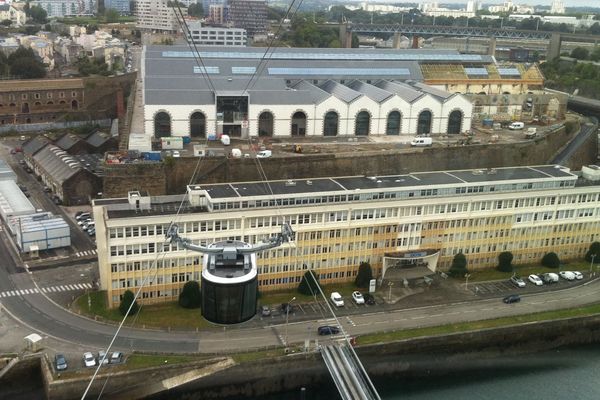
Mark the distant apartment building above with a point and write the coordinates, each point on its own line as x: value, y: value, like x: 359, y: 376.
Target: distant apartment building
x: 122, y: 6
x: 218, y: 13
x: 250, y: 15
x: 13, y: 13
x: 62, y: 8
x: 156, y: 15
x: 206, y: 4
x: 557, y: 7
x: 214, y: 36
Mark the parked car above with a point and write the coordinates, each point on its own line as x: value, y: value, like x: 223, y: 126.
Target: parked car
x: 337, y: 299
x: 517, y: 281
x: 358, y: 297
x: 60, y: 362
x: 28, y: 170
x: 103, y: 356
x: 535, y: 280
x: 568, y: 275
x: 82, y: 222
x: 91, y: 232
x: 369, y: 299
x: 287, y: 308
x: 176, y: 154
x: 265, y: 311
x: 549, y: 277
x: 328, y: 330
x: 116, y: 357
x: 578, y: 275
x: 513, y: 298
x: 89, y: 360
x: 84, y: 215
x: 78, y: 213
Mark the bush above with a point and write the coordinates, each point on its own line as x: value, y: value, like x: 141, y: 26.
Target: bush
x: 594, y: 249
x: 364, y: 276
x: 551, y: 260
x: 571, y: 127
x: 458, y: 269
x: 505, y: 261
x: 128, y: 298
x: 309, y: 285
x: 190, y: 296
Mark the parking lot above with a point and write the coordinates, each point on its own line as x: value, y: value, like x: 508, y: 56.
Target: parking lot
x: 498, y: 288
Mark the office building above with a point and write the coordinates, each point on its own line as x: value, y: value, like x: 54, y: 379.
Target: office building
x: 250, y: 15
x: 215, y: 36
x: 420, y: 218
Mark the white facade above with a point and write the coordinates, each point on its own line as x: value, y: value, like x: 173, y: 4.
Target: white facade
x: 11, y: 12
x: 557, y: 7
x: 156, y: 15
x: 62, y: 8
x: 215, y: 36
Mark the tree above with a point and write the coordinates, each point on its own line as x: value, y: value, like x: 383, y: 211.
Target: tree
x: 594, y: 249
x: 196, y: 10
x: 6, y: 22
x: 190, y: 295
x: 27, y: 68
x: 364, y: 276
x: 38, y: 14
x: 309, y: 285
x: 126, y: 301
x: 111, y: 15
x: 551, y: 260
x: 505, y: 261
x: 458, y: 269
x: 580, y: 53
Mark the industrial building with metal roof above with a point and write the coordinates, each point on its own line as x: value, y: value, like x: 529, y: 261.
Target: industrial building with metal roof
x: 300, y: 92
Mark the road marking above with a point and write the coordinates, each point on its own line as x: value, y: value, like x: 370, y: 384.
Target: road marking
x: 49, y: 289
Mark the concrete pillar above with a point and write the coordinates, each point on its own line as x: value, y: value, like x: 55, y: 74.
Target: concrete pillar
x: 343, y: 29
x: 554, y: 44
x: 415, y: 42
x: 348, y: 41
x: 396, y: 42
x: 492, y: 46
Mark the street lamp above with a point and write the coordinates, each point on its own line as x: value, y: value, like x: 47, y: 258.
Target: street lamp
x: 467, y: 281
x: 287, y: 314
x: 390, y: 284
x: 592, y: 263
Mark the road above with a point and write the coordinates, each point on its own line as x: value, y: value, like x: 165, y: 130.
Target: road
x: 45, y: 317
x: 566, y: 153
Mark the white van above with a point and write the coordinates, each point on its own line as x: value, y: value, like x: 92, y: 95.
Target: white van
x: 264, y: 154
x: 236, y: 153
x: 421, y: 142
x: 531, y: 133
x: 225, y: 140
x: 515, y: 126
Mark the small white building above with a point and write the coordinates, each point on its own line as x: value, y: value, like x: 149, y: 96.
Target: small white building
x: 215, y: 36
x: 42, y: 232
x: 12, y: 201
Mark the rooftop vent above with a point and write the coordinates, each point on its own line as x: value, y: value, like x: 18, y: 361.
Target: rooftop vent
x: 379, y: 180
x: 290, y: 183
x: 492, y: 171
x: 477, y: 172
x: 373, y: 178
x: 309, y: 183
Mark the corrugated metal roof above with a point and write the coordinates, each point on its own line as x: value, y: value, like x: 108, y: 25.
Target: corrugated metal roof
x: 12, y: 199
x: 67, y: 141
x: 97, y: 139
x: 35, y: 144
x: 57, y: 163
x: 404, y: 91
x: 441, y: 94
x: 6, y: 172
x: 372, y: 92
x: 340, y: 91
x: 316, y: 94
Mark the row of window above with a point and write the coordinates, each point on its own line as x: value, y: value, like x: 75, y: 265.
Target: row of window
x: 409, y: 194
x: 36, y: 96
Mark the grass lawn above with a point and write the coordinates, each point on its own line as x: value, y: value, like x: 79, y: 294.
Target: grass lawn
x: 138, y: 361
x: 152, y: 316
x: 469, y: 326
x: 257, y: 355
x: 523, y: 271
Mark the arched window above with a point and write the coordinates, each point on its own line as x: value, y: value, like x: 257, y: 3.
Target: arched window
x: 25, y: 108
x: 299, y: 124
x: 74, y: 105
x: 424, y: 123
x: 393, y: 123
x: 62, y: 102
x: 361, y: 127
x: 454, y: 122
x: 265, y: 124
x: 37, y: 103
x: 50, y: 103
x: 162, y: 125
x: 330, y: 124
x: 197, y: 125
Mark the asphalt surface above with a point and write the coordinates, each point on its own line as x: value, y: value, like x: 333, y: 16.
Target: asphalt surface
x: 566, y: 153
